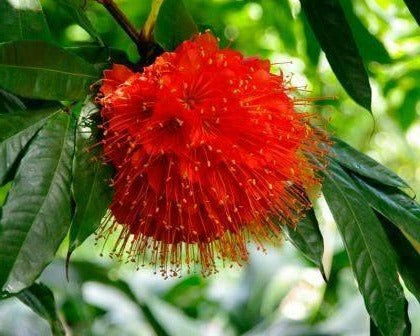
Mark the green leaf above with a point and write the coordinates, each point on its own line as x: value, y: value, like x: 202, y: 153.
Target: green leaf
x: 408, y: 258
x: 37, y: 69
x: 363, y: 165
x: 313, y: 50
x: 370, y: 253
x: 414, y: 7
x: 373, y: 329
x: 40, y: 299
x: 22, y: 20
x: 36, y: 215
x: 100, y: 57
x: 371, y: 49
x: 18, y: 128
x: 308, y: 239
x: 75, y: 9
x: 328, y: 22
x: 394, y: 204
x: 174, y: 24
x: 91, y: 191
x: 9, y: 102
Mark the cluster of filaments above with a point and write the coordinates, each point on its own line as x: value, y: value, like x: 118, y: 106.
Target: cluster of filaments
x: 209, y: 154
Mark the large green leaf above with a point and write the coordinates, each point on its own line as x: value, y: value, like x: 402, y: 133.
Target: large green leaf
x: 91, y: 191
x: 371, y: 49
x: 14, y: 122
x: 313, y: 50
x: 328, y: 22
x: 36, y: 215
x: 76, y: 10
x: 414, y: 7
x: 363, y: 165
x: 395, y: 205
x: 18, y: 128
x: 22, y: 20
x: 173, y: 25
x: 40, y: 299
x: 308, y: 239
x: 37, y: 69
x: 371, y: 256
x: 408, y: 257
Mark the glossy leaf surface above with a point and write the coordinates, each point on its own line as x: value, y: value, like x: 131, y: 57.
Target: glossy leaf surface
x: 36, y: 215
x: 36, y: 69
x: 329, y: 24
x: 91, y: 191
x: 371, y: 256
x: 40, y: 299
x: 22, y: 20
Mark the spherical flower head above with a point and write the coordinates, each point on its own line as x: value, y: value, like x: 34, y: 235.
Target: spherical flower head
x: 209, y: 153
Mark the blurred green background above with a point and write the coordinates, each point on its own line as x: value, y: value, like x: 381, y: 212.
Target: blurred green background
x: 279, y: 293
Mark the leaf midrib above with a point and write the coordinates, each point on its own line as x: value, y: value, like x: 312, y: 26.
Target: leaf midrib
x: 42, y: 120
x: 43, y: 203
x: 76, y: 74
x: 312, y: 248
x: 6, y: 143
x: 379, y: 202
x: 364, y: 241
x: 344, y: 153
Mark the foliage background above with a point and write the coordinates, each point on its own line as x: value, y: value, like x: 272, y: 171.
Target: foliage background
x: 278, y: 293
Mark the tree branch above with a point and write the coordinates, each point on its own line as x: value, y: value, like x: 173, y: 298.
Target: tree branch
x: 121, y: 19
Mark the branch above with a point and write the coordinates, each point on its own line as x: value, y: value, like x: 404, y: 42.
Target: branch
x: 147, y: 49
x: 121, y: 19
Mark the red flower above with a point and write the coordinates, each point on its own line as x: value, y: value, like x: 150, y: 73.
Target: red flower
x: 208, y: 147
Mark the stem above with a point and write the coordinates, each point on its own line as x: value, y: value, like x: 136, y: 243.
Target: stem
x: 121, y: 19
x: 147, y: 49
